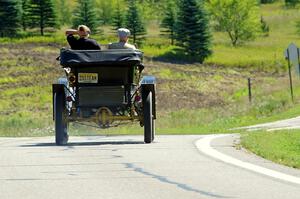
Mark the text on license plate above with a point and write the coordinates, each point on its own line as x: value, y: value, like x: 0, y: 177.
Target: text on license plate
x: 88, y: 77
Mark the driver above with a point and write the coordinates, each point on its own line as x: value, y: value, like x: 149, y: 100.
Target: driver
x: 83, y: 43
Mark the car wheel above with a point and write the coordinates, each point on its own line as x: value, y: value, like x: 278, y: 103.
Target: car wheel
x: 148, y: 118
x: 61, y: 124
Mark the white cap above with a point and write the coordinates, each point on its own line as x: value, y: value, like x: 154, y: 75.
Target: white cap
x: 123, y: 32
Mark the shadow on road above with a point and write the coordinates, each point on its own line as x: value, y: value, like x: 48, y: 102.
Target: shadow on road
x: 72, y: 144
x: 166, y: 180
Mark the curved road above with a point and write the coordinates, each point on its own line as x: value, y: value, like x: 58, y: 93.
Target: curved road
x: 292, y: 123
x: 182, y: 167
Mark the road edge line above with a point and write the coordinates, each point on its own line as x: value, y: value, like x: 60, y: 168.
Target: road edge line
x: 204, y: 146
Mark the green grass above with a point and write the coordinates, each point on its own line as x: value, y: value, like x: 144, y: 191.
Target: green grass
x: 264, y: 52
x: 262, y: 58
x: 281, y: 146
x: 205, y: 121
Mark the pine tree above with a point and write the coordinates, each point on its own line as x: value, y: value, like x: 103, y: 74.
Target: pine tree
x: 118, y: 18
x: 193, y: 31
x: 85, y: 14
x: 104, y: 11
x: 169, y: 21
x: 266, y: 1
x: 24, y: 14
x: 134, y: 22
x: 63, y: 12
x: 291, y: 3
x: 41, y: 14
x: 10, y: 17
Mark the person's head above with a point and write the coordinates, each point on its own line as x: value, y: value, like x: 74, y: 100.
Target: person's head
x: 123, y: 34
x: 83, y: 31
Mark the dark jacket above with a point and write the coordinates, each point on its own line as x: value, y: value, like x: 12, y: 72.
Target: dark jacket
x: 82, y: 43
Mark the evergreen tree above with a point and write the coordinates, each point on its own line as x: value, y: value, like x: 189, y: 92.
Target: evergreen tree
x: 193, y: 31
x: 291, y: 3
x: 85, y: 14
x: 10, y: 17
x: 104, y: 10
x: 118, y: 18
x: 267, y: 1
x: 41, y: 14
x: 134, y: 22
x: 24, y: 14
x: 63, y: 12
x: 169, y: 21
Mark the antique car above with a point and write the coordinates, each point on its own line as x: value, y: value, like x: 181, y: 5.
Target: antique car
x: 104, y: 88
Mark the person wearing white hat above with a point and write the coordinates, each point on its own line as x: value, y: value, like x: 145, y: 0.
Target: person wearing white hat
x: 83, y: 42
x: 123, y: 34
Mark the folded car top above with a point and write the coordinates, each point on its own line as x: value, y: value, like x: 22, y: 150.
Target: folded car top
x: 77, y: 58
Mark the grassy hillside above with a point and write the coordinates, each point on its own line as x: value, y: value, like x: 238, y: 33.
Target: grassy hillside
x: 192, y: 98
x: 215, y: 97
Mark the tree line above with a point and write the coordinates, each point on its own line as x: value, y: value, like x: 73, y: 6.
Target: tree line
x: 288, y: 3
x: 187, y: 23
x: 33, y: 13
x: 17, y: 15
x: 192, y: 32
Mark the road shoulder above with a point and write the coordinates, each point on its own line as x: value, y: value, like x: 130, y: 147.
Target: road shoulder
x: 226, y: 148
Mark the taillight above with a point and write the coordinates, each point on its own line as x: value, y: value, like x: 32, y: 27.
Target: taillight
x: 137, y: 98
x: 69, y: 99
x: 72, y: 78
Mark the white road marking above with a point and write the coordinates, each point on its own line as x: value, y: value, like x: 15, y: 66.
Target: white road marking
x: 284, y: 128
x: 292, y: 123
x: 204, y: 146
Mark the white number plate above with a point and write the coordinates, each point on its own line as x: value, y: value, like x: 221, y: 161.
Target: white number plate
x: 88, y: 77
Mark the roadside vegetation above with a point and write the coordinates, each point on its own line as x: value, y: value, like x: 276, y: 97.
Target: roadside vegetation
x: 282, y: 146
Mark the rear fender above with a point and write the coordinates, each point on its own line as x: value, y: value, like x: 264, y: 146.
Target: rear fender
x: 57, y: 88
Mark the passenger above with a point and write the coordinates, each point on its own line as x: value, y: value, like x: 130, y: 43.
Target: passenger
x: 83, y: 43
x: 123, y: 34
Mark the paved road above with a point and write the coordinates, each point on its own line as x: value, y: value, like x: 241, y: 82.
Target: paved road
x: 123, y: 167
x: 292, y: 123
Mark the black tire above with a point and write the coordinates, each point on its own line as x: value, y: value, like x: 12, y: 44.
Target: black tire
x: 61, y: 125
x: 148, y: 118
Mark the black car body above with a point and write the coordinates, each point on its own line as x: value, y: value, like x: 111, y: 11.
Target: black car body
x: 103, y: 87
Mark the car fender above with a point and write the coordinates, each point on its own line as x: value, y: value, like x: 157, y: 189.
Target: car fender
x: 148, y: 83
x: 56, y: 88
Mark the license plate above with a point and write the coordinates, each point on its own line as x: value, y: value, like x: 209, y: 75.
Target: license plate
x: 88, y: 77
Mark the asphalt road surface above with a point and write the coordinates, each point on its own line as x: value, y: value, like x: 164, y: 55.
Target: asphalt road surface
x: 292, y: 123
x: 174, y: 167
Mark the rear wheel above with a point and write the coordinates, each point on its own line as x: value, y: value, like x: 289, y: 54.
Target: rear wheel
x: 61, y: 124
x: 148, y: 119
